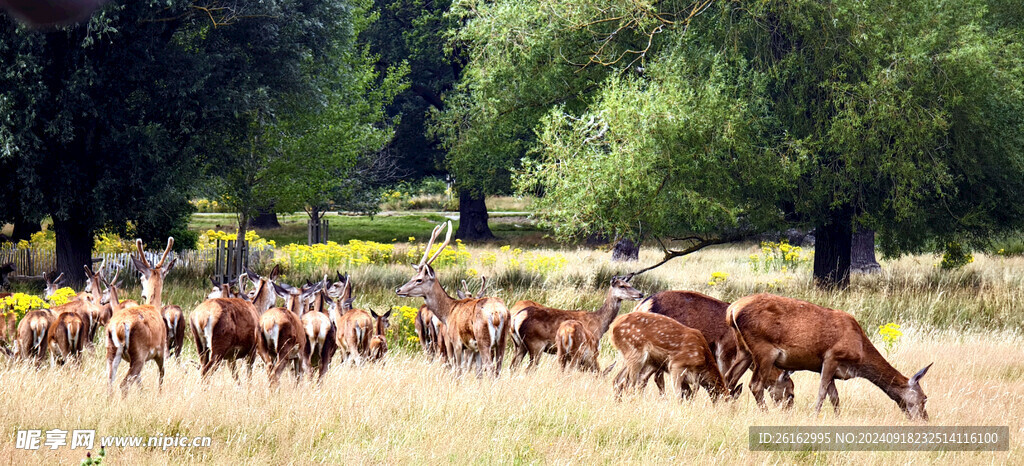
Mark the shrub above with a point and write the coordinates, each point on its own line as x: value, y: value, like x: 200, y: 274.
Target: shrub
x: 780, y: 256
x: 955, y: 257
x: 20, y: 303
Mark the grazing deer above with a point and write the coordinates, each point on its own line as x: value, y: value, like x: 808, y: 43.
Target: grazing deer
x: 652, y: 342
x: 320, y: 334
x: 477, y: 328
x: 225, y: 328
x: 32, y: 332
x: 66, y: 338
x: 793, y: 335
x: 534, y: 326
x: 378, y: 346
x: 708, y: 315
x: 576, y: 346
x: 281, y: 338
x: 139, y: 333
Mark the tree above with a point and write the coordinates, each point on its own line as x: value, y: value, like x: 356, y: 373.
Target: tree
x: 107, y: 122
x: 711, y: 120
x: 303, y: 156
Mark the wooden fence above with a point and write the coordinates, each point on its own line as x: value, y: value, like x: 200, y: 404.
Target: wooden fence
x: 219, y: 261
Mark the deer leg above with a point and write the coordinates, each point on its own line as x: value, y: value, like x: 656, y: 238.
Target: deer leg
x: 828, y: 371
x: 833, y: 395
x: 134, y: 373
x: 619, y: 383
x: 535, y: 350
x: 739, y: 365
x: 517, y: 358
x: 160, y: 370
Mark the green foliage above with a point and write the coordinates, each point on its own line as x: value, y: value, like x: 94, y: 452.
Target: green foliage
x: 955, y: 256
x: 680, y: 118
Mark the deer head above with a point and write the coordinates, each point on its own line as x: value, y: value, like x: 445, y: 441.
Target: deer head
x: 296, y: 299
x: 153, y: 275
x: 341, y: 293
x: 381, y: 322
x: 52, y: 284
x: 6, y: 270
x: 424, y: 282
x: 262, y: 296
x: 621, y: 290
x: 912, y: 398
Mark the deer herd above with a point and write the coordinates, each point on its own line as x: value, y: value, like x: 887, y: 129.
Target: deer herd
x: 697, y: 340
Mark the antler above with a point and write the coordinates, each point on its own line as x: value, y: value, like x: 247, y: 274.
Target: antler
x: 483, y: 286
x: 447, y: 238
x: 142, y: 253
x: 426, y: 252
x: 167, y: 250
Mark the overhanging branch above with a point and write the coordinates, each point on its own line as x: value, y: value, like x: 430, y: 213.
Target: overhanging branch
x: 697, y: 243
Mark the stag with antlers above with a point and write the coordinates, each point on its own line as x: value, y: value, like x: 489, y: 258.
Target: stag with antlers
x: 476, y: 327
x: 139, y: 333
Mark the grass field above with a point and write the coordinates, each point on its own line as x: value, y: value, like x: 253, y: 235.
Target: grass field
x: 410, y: 410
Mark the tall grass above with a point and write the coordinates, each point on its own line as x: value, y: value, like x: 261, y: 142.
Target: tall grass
x: 411, y: 411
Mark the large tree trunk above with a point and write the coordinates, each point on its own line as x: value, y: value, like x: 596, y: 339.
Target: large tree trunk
x: 625, y: 250
x: 265, y: 220
x: 832, y: 247
x: 74, y: 250
x: 862, y: 254
x: 23, y: 230
x: 472, y: 218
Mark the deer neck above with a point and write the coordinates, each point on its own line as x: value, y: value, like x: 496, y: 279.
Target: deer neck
x: 439, y: 302
x: 156, y: 289
x: 264, y: 298
x: 604, y: 316
x: 878, y: 371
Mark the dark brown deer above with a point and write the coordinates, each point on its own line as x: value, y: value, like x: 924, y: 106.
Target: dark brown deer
x: 576, y: 347
x: 224, y: 329
x: 792, y: 335
x: 477, y: 328
x: 534, y: 326
x: 652, y: 342
x: 708, y: 315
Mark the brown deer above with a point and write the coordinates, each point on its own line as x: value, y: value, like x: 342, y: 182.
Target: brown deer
x: 793, y: 335
x: 378, y: 346
x: 136, y: 334
x: 652, y: 342
x: 576, y: 346
x: 534, y: 326
x: 477, y: 328
x: 225, y: 328
x: 281, y: 338
x: 431, y: 331
x: 66, y: 338
x: 174, y: 319
x: 320, y: 334
x: 52, y: 284
x: 354, y: 331
x: 32, y: 332
x: 464, y: 293
x: 708, y: 315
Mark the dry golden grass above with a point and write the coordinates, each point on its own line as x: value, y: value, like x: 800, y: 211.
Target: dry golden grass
x: 412, y: 411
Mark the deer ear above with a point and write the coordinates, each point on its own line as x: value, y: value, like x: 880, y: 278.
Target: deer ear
x: 917, y: 377
x: 141, y: 267
x: 275, y: 272
x: 387, y: 315
x: 281, y: 291
x: 374, y: 314
x: 170, y: 266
